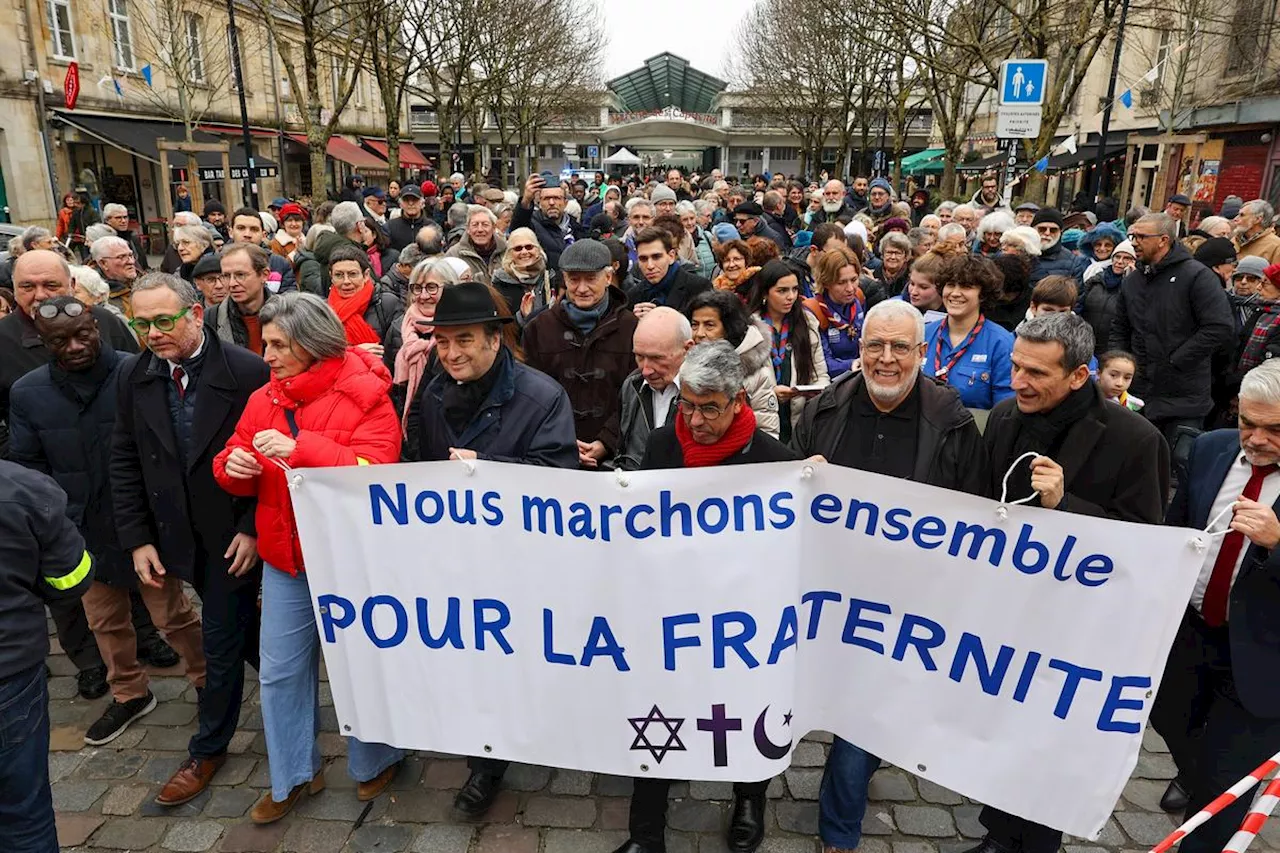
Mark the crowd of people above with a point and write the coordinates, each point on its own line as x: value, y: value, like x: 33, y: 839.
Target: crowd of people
x: 674, y: 321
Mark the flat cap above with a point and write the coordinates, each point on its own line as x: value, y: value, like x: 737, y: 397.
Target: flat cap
x: 748, y: 208
x: 586, y: 256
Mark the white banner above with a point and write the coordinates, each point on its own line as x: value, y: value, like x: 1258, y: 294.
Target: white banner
x: 695, y: 624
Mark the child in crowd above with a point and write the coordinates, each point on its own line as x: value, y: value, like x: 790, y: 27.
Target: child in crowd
x: 1115, y: 374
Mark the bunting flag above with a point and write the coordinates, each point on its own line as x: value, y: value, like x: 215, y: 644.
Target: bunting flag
x: 1126, y: 98
x: 119, y: 91
x: 1150, y: 76
x: 146, y: 74
x: 1042, y: 165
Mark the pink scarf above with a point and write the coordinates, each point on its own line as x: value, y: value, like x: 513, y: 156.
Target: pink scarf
x: 411, y: 360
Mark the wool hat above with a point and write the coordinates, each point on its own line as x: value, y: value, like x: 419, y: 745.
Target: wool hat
x: 1231, y: 207
x: 1071, y: 237
x: 213, y: 206
x: 747, y: 208
x: 429, y: 189
x: 291, y: 209
x: 1124, y: 247
x: 662, y: 192
x: 410, y: 191
x: 1251, y: 265
x: 586, y: 256
x: 1273, y: 273
x: 206, y: 265
x: 1048, y: 214
x: 882, y: 184
x: 1215, y: 251
x: 895, y: 223
x: 468, y: 304
x: 725, y: 231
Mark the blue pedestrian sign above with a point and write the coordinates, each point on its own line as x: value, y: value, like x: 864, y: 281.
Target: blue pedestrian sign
x: 593, y: 152
x: 1022, y: 82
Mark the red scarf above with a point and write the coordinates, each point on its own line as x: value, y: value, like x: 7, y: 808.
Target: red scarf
x: 350, y: 311
x: 704, y: 455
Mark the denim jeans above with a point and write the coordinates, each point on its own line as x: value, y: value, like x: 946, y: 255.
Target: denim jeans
x: 26, y: 803
x: 290, y: 686
x: 842, y: 799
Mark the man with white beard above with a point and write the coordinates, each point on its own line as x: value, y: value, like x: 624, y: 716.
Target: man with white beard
x: 834, y: 205
x: 888, y: 419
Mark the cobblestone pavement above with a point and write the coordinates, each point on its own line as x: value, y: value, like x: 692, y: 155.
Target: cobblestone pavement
x: 103, y: 797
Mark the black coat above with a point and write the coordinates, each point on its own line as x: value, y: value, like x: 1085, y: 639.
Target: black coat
x: 1114, y: 462
x: 949, y: 449
x: 181, y: 510
x: 52, y: 431
x: 684, y: 287
x: 664, y: 451
x: 403, y: 230
x: 1254, y: 604
x: 1098, y: 307
x: 549, y: 235
x: 1173, y: 316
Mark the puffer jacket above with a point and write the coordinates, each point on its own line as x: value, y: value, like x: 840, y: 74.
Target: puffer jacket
x: 1057, y: 260
x: 344, y: 416
x: 757, y: 377
x: 1097, y: 306
x: 706, y: 256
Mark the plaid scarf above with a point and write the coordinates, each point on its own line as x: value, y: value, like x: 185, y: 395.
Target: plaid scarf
x: 1265, y: 325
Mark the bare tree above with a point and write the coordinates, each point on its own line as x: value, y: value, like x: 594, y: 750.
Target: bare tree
x: 449, y: 80
x: 399, y: 33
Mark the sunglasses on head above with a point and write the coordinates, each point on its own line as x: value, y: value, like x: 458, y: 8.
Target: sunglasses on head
x: 49, y: 310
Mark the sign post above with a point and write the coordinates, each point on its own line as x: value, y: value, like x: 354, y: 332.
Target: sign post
x: 1022, y: 87
x: 71, y: 86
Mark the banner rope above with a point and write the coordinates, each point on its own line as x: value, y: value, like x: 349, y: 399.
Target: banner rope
x: 469, y: 464
x: 1225, y: 799
x: 1003, y: 510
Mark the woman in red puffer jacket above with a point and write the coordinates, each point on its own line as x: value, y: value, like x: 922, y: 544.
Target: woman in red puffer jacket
x: 326, y: 405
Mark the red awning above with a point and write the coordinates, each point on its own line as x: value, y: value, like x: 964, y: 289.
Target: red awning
x: 410, y: 157
x: 348, y: 152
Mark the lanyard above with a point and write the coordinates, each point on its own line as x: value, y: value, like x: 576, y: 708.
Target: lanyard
x: 939, y: 370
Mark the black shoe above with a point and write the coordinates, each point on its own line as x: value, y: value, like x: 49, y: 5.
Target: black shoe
x: 989, y: 846
x: 1176, y: 798
x: 92, y: 682
x: 478, y: 794
x: 636, y: 847
x: 117, y: 718
x: 157, y: 653
x: 746, y: 826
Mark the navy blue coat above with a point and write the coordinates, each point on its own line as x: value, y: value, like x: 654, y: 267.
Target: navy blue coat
x: 527, y: 419
x: 1058, y: 260
x: 51, y: 431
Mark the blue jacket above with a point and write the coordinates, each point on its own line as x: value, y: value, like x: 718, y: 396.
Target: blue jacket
x: 840, y: 341
x: 984, y: 373
x: 527, y: 419
x: 1058, y: 260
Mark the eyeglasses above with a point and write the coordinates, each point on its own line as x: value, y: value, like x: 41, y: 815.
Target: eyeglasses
x: 1134, y: 235
x: 164, y: 323
x: 709, y: 411
x: 127, y: 257
x: 48, y: 310
x: 237, y: 277
x: 529, y: 248
x: 430, y: 288
x: 900, y: 349
x: 347, y: 276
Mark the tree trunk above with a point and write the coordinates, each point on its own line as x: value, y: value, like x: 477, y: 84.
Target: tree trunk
x: 319, y: 180
x: 393, y: 144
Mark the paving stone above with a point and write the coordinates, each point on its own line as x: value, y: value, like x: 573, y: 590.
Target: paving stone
x: 892, y: 785
x: 779, y: 844
x: 803, y: 783
x: 932, y: 792
x: 808, y: 754
x: 711, y: 790
x: 76, y: 713
x: 261, y: 777
x: 166, y: 739
x: 315, y: 836
x: 63, y: 764
x: 329, y: 720
x: 75, y: 829
x: 819, y: 736
x: 409, y: 774
x: 231, y: 802
x: 613, y: 786
x: 927, y: 821
x: 578, y: 841
x: 250, y: 838
x: 614, y: 812
x: 129, y: 834
x: 421, y: 806
x: 777, y: 788
x: 1155, y: 766
x: 1145, y: 793
x: 193, y: 836
x: 1111, y: 835
x: 125, y: 799
x: 150, y: 808
x: 967, y: 821
x: 446, y: 774
x: 507, y: 839
x: 161, y: 766
x: 692, y: 815
x: 338, y: 805
x: 1082, y: 848
x: 236, y: 770
x: 112, y: 765
x: 251, y: 719
x: 331, y: 744
x: 526, y: 777
x: 1144, y: 827
x: 75, y: 796
x: 59, y: 665
x: 1152, y: 742
x: 241, y: 742
x: 169, y: 689
x: 682, y: 843
x: 566, y: 812
x: 171, y: 714
x: 913, y: 847
x: 874, y: 845
x: 575, y: 783
x: 443, y: 839
x: 797, y: 817
x: 379, y: 838
x: 877, y: 822
x: 66, y: 739
x: 62, y: 688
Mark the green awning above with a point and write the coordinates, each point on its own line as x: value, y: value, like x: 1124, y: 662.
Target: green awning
x: 927, y: 161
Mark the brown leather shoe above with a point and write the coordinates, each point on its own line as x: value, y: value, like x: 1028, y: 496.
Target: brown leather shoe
x: 269, y: 811
x: 190, y: 779
x: 370, y: 790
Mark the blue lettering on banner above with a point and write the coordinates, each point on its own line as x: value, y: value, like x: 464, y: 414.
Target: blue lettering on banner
x: 1107, y: 721
x: 670, y: 642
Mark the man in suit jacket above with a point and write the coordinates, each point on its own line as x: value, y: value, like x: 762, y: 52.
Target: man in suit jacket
x: 1093, y: 457
x: 1219, y: 703
x: 178, y: 404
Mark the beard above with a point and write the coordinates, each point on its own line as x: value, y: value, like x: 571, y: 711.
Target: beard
x: 1050, y: 244
x: 890, y: 393
x: 831, y: 206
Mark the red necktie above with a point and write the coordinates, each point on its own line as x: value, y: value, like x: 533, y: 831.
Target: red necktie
x: 1214, y: 608
x: 178, y: 376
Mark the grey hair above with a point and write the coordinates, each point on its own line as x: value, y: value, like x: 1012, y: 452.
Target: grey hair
x: 896, y: 308
x: 457, y: 176
x: 967, y: 207
x: 457, y: 215
x: 476, y: 209
x: 1066, y: 328
x: 308, y: 321
x: 15, y: 245
x: 1262, y: 383
x: 1163, y: 223
x: 995, y: 221
x: 898, y: 241
x: 97, y: 231
x: 410, y: 255
x: 932, y: 216
x: 945, y: 232
x: 1025, y: 238
x: 639, y: 202
x: 35, y: 234
x: 1213, y: 222
x: 430, y: 240
x: 1261, y: 209
x: 186, y: 217
x: 713, y: 367
x: 1135, y: 213
x: 186, y: 291
x: 346, y: 215
x: 99, y: 248
x: 198, y: 233
x: 438, y: 267
x: 946, y: 205
x: 683, y: 207
x: 88, y: 278
x: 109, y: 210
x: 702, y: 207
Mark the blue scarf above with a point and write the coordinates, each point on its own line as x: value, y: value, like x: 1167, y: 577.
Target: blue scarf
x: 657, y: 293
x: 585, y: 319
x: 1110, y: 278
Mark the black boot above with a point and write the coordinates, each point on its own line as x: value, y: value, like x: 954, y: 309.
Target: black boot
x: 635, y: 847
x: 989, y: 846
x: 1176, y: 798
x: 746, y: 826
x: 478, y: 794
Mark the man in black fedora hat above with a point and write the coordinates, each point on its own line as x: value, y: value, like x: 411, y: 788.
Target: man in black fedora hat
x: 487, y: 405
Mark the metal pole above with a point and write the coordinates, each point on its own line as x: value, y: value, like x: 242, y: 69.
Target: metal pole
x: 275, y: 88
x: 1106, y: 110
x: 251, y: 172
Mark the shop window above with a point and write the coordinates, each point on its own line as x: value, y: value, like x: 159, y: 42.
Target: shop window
x: 60, y: 29
x: 121, y: 36
x: 195, y: 46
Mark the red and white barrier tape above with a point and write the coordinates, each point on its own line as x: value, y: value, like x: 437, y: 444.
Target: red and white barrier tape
x: 1227, y: 798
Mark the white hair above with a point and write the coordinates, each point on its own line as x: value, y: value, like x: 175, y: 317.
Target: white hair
x: 345, y: 217
x: 951, y: 229
x: 703, y: 207
x: 998, y: 221
x: 891, y: 308
x: 457, y: 176
x: 196, y: 233
x: 99, y: 248
x: 97, y: 231
x: 186, y: 217
x: 683, y: 207
x: 930, y: 217
x: 93, y: 284
x: 510, y: 197
x: 1024, y: 238
x: 474, y: 210
x: 269, y: 223
x: 110, y: 210
x: 946, y: 205
x: 638, y: 200
x: 1262, y: 383
x: 572, y: 208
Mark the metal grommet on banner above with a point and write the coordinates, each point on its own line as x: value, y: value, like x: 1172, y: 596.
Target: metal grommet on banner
x: 1201, y: 542
x: 292, y: 482
x: 1002, y: 511
x: 806, y: 472
x: 623, y: 479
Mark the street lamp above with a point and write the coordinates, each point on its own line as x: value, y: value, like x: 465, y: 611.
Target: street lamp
x: 250, y: 171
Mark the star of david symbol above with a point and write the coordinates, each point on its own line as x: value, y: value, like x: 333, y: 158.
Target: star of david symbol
x: 656, y: 718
